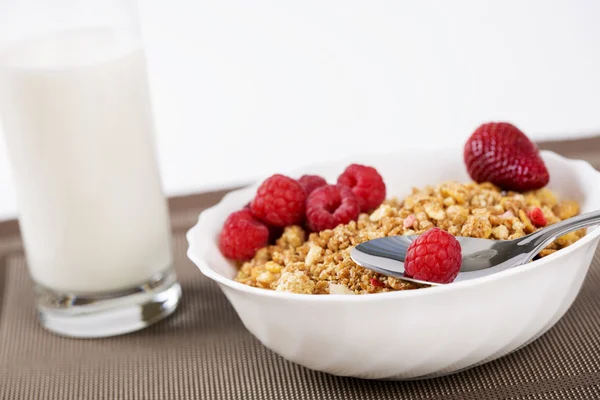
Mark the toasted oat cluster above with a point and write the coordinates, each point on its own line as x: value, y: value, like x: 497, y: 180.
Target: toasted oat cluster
x: 321, y: 263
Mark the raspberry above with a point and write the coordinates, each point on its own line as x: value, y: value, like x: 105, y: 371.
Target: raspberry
x: 376, y: 282
x: 435, y: 256
x: 242, y: 235
x: 536, y: 215
x: 330, y: 206
x: 279, y: 201
x: 500, y: 153
x: 310, y: 182
x: 367, y: 185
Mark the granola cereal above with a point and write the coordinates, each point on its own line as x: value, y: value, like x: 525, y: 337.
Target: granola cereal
x: 321, y: 261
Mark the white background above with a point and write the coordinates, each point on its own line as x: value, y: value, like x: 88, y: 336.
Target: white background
x: 246, y: 88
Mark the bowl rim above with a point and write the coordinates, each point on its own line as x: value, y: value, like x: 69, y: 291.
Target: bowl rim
x: 194, y: 250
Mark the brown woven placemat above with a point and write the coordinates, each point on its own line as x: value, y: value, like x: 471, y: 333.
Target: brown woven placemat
x: 204, y: 352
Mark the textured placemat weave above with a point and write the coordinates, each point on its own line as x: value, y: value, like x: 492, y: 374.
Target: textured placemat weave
x: 204, y: 352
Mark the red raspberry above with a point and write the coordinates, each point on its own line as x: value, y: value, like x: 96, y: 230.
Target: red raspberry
x: 434, y: 256
x: 279, y: 201
x: 242, y: 235
x: 500, y: 153
x: 536, y: 215
x: 310, y: 182
x: 275, y: 232
x: 376, y: 282
x: 330, y: 206
x: 367, y: 185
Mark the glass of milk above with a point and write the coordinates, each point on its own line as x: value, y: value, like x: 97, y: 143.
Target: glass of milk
x: 77, y: 119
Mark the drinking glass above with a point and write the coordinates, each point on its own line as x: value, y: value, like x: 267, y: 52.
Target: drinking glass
x: 77, y: 120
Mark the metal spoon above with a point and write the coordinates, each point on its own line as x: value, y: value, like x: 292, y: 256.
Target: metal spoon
x: 481, y: 257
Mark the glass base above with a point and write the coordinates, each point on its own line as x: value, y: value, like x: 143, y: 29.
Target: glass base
x: 110, y: 314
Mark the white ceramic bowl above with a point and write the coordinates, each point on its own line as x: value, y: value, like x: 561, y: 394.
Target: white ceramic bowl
x: 419, y: 333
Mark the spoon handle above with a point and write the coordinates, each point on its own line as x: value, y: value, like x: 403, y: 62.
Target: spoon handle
x: 538, y: 240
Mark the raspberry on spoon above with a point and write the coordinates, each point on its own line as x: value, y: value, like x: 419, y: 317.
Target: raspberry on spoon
x: 435, y: 256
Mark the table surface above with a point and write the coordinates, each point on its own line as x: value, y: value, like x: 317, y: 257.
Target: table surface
x: 204, y: 352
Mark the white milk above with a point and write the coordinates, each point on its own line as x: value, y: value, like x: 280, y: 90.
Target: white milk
x: 78, y: 124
